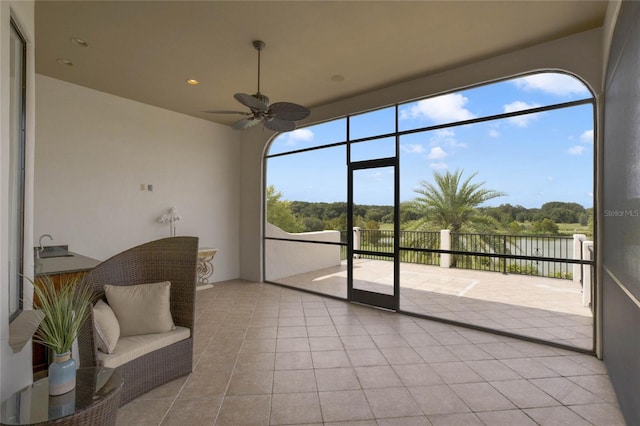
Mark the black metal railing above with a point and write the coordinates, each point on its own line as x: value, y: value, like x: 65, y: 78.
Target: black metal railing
x: 540, y: 248
x: 555, y: 248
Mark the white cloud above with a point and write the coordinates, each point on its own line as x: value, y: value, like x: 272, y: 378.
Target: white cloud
x: 493, y: 133
x: 445, y: 108
x: 412, y: 148
x: 553, y: 83
x: 298, y: 135
x: 587, y: 136
x: 446, y: 137
x: 576, y: 150
x: 438, y: 166
x: 436, y: 153
x: 521, y: 120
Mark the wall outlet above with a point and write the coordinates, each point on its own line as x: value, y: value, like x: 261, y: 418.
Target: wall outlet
x: 150, y: 188
x: 142, y: 187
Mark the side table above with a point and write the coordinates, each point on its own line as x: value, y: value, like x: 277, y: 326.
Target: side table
x: 204, y: 268
x: 94, y: 401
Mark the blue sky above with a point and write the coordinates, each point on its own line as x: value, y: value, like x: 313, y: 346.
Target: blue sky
x: 534, y: 158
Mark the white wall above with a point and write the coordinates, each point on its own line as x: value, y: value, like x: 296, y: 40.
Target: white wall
x: 15, y: 369
x: 286, y: 258
x: 93, y: 151
x: 580, y: 54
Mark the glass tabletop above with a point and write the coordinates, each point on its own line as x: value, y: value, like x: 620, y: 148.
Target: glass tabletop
x: 33, y: 404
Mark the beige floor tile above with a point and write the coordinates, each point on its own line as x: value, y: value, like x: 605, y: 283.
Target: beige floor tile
x: 344, y: 406
x: 206, y: 385
x: 554, y: 416
x: 251, y: 383
x: 169, y: 390
x: 298, y: 344
x: 358, y: 342
x: 567, y: 392
x: 295, y: 409
x: 247, y: 373
x: 258, y: 345
x: 456, y: 372
x: 396, y: 356
x: 294, y: 381
x: 336, y: 379
x: 321, y: 331
x: 523, y: 394
x: 291, y: 322
x: 325, y: 344
x: 293, y: 361
x: 599, y: 385
x: 313, y: 321
x: 481, y: 397
x: 392, y: 402
x: 417, y: 375
x: 463, y: 419
x: 529, y: 368
x: 438, y: 399
x: 436, y: 354
x: 405, y: 421
x: 193, y: 412
x: 292, y: 331
x: 600, y: 414
x: 330, y: 359
x: 491, y: 370
x: 506, y: 418
x: 243, y: 410
x: 382, y: 376
x: 149, y: 412
x: 366, y: 357
x: 394, y: 341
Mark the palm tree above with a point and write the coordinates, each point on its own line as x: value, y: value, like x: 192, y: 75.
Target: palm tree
x: 451, y: 203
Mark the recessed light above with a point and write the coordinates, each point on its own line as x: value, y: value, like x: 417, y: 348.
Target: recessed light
x: 79, y: 42
x: 65, y: 62
x: 192, y: 81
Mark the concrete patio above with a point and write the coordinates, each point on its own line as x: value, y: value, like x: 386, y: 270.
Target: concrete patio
x: 544, y: 308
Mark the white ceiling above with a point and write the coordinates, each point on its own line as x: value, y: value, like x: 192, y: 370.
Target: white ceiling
x: 316, y: 51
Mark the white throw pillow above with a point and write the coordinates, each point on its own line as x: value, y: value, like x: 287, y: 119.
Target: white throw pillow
x: 107, y: 327
x: 141, y: 309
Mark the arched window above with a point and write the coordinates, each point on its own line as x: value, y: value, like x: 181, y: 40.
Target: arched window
x: 506, y: 168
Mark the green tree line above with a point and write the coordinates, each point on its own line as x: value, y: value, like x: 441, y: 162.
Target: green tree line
x: 449, y: 202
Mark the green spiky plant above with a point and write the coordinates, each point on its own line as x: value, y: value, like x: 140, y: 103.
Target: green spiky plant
x: 65, y: 309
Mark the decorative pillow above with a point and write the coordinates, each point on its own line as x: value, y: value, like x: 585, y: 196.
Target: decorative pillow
x: 107, y: 327
x: 141, y: 309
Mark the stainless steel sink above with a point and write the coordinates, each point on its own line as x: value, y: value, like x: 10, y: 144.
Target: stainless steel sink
x: 53, y: 251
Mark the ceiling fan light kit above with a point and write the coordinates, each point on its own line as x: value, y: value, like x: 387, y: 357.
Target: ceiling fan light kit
x: 279, y: 117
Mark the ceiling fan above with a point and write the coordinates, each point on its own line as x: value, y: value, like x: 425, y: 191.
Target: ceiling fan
x: 279, y: 117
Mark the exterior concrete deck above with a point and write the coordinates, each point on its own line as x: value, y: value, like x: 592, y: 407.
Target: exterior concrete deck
x: 543, y: 308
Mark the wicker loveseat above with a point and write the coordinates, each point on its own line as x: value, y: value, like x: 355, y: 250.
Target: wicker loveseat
x: 170, y: 259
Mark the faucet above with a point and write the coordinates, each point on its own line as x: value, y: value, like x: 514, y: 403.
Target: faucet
x: 40, y: 248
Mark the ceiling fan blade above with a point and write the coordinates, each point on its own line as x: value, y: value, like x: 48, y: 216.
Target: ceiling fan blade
x: 245, y: 123
x: 251, y: 102
x: 279, y: 125
x: 289, y: 111
x: 211, y: 111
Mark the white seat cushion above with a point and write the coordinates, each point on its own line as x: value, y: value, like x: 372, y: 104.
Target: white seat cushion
x: 132, y: 347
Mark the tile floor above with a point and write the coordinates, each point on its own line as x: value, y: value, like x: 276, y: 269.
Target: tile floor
x: 543, y: 308
x: 267, y: 355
